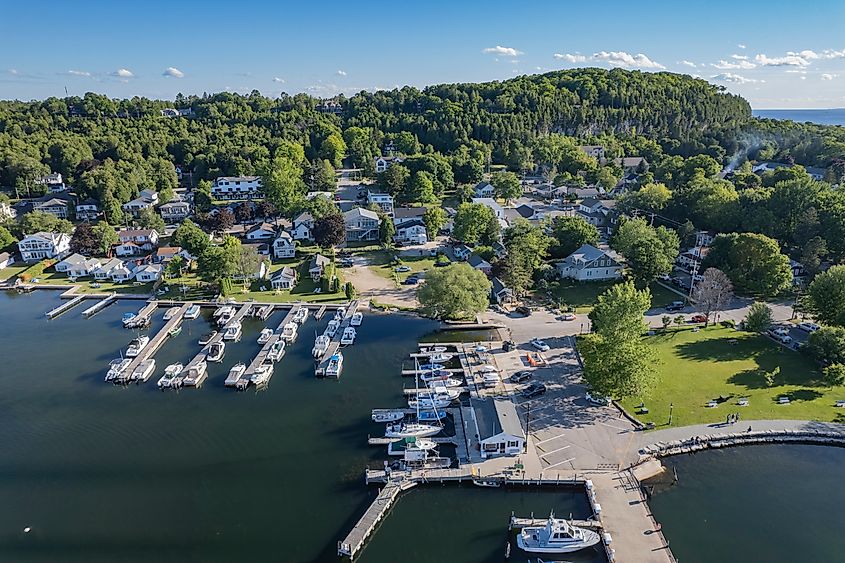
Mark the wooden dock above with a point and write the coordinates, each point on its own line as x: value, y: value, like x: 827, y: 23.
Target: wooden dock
x: 413, y: 391
x: 243, y: 381
x: 236, y: 318
x: 65, y: 307
x: 517, y: 523
x: 144, y: 315
x: 157, y: 340
x: 415, y: 371
x: 334, y: 345
x: 320, y: 312
x: 352, y: 544
x: 99, y: 306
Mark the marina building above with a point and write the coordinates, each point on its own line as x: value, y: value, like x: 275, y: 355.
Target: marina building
x: 498, y: 427
x: 237, y: 187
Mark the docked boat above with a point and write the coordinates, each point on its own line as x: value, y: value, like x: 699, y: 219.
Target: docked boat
x: 262, y: 373
x: 331, y: 328
x: 226, y: 309
x: 443, y: 391
x: 430, y: 402
x: 144, y: 370
x: 289, y: 332
x: 488, y: 483
x: 226, y: 316
x: 487, y: 368
x: 435, y: 375
x: 301, y: 315
x: 171, y: 372
x: 192, y: 312
x: 448, y: 382
x: 489, y: 379
x: 128, y: 319
x: 232, y: 331
x: 321, y: 344
x: 207, y: 337
x: 357, y: 319
x: 116, y: 368
x: 430, y: 415
x: 434, y: 350
x: 440, y: 357
x: 265, y: 336
x: 387, y: 415
x: 235, y: 374
x: 348, y: 336
x: 339, y: 314
x: 557, y: 536
x: 402, y: 445
x: 335, y: 367
x: 422, y: 454
x: 194, y: 375
x: 431, y: 367
x: 136, y: 345
x: 175, y: 331
x: 277, y: 350
x: 411, y: 430
x: 170, y: 313
x: 216, y: 351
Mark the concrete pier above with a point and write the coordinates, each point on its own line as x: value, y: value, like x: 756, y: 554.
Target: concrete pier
x: 156, y: 341
x: 65, y: 307
x: 99, y: 306
x: 352, y: 544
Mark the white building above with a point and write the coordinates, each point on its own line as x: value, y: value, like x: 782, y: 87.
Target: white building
x: 103, y: 273
x: 237, y: 187
x: 411, y: 232
x: 302, y: 225
x: 261, y: 231
x: 284, y: 278
x: 284, y: 246
x: 596, y: 151
x: 149, y: 273
x: 588, y: 263
x: 382, y: 163
x: 484, y: 189
x: 54, y: 182
x: 175, y: 210
x: 44, y: 245
x: 78, y: 266
x: 54, y: 206
x: 384, y: 201
x: 145, y: 200
x: 7, y: 211
x: 6, y: 260
x: 361, y: 225
x: 87, y: 210
x: 498, y: 427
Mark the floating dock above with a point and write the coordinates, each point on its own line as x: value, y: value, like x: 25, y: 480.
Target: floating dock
x: 517, y: 523
x: 65, y: 307
x: 144, y: 315
x: 236, y: 318
x: 243, y: 381
x: 99, y: 306
x: 352, y: 544
x: 156, y: 341
x: 334, y: 345
x: 320, y: 312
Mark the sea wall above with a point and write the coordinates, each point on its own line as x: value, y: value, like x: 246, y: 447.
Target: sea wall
x: 711, y: 441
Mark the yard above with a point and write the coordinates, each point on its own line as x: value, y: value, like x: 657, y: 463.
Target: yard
x: 583, y: 295
x: 380, y: 264
x: 697, y: 367
x: 86, y: 285
x: 304, y: 290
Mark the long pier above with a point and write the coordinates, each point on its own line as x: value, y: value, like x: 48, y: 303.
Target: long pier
x: 144, y: 315
x: 156, y: 341
x: 354, y: 541
x: 65, y: 307
x: 99, y: 306
x: 236, y: 318
x: 243, y: 381
x: 334, y: 345
x: 517, y: 522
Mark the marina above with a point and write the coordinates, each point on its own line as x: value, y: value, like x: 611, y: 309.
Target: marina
x: 159, y: 338
x: 335, y: 342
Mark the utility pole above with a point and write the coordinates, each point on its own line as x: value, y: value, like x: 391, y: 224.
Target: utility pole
x: 671, y: 407
x: 527, y: 427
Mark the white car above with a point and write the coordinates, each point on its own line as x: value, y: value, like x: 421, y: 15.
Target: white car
x: 785, y: 338
x: 597, y: 400
x: 540, y: 345
x: 780, y: 331
x: 402, y: 269
x: 809, y: 327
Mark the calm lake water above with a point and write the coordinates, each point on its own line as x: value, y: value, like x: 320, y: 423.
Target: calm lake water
x: 106, y: 473
x: 755, y: 503
x: 835, y: 116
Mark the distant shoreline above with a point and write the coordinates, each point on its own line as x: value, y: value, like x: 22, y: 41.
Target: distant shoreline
x: 832, y: 116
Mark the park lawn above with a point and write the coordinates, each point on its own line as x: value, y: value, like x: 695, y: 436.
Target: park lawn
x: 583, y: 295
x: 696, y: 367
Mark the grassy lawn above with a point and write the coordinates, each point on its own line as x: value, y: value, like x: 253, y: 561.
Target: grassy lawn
x: 13, y: 271
x: 304, y: 290
x: 89, y: 285
x: 697, y: 367
x: 583, y: 295
x: 380, y: 264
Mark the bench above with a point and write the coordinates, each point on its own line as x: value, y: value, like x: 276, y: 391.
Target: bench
x: 783, y: 400
x: 742, y: 402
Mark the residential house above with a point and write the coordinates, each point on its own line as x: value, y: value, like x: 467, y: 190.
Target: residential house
x: 498, y: 427
x: 483, y: 190
x: 302, y: 226
x: 382, y: 163
x: 462, y: 252
x: 768, y: 166
x: 361, y: 225
x: 500, y: 249
x: 284, y: 278
x: 165, y: 254
x: 595, y: 151
x: 147, y: 199
x: 53, y: 206
x: 78, y: 266
x: 134, y: 242
x: 384, y: 201
x: 103, y: 273
x: 237, y: 187
x: 411, y: 232
x: 6, y: 260
x: 173, y: 112
x: 123, y: 273
x: 174, y: 211
x: 54, y: 182
x: 44, y: 245
x: 261, y: 248
x: 7, y: 212
x: 500, y: 293
x: 690, y: 259
x: 149, y: 273
x: 523, y: 211
x: 87, y: 210
x: 259, y: 273
x: 317, y: 265
x: 491, y: 203
x: 798, y: 271
x: 704, y: 238
x: 631, y: 164
x: 589, y: 263
x: 403, y: 214
x: 261, y: 231
x: 284, y: 246
x: 598, y: 213
x: 479, y: 263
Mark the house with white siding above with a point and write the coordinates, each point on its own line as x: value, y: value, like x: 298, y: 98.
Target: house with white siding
x: 149, y: 273
x: 53, y: 206
x: 237, y: 187
x: 43, y: 245
x: 87, y: 210
x: 147, y: 199
x: 302, y: 226
x: 174, y: 211
x: 411, y: 232
x: 284, y: 246
x: 78, y: 266
x: 384, y: 202
x: 484, y: 189
x: 284, y: 278
x: 104, y: 271
x: 361, y: 225
x: 260, y: 231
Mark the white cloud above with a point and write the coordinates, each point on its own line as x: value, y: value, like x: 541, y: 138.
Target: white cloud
x: 733, y: 78
x: 740, y: 57
x: 279, y: 80
x: 828, y: 76
x: 796, y: 71
x: 173, y: 72
x: 741, y: 45
x: 123, y: 73
x: 791, y: 59
x: 14, y: 72
x: 627, y: 60
x: 688, y: 63
x: 341, y: 73
x: 78, y: 73
x: 503, y: 51
x: 571, y: 58
x: 727, y: 65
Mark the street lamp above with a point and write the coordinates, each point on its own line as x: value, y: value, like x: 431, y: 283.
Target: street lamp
x: 671, y: 406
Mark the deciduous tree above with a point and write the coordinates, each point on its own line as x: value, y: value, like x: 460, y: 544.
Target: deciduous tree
x: 758, y: 318
x: 826, y: 296
x: 454, y: 292
x: 329, y: 231
x: 713, y: 292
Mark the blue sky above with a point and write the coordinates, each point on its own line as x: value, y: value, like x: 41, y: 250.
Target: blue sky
x: 776, y: 54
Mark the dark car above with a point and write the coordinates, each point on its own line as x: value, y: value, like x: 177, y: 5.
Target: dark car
x: 508, y: 345
x: 522, y: 310
x: 346, y: 263
x: 520, y: 376
x: 411, y: 281
x: 675, y: 306
x: 533, y: 390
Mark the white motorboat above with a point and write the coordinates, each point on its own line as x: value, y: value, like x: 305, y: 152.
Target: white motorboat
x: 235, y: 374
x: 387, y: 415
x: 192, y: 312
x: 487, y: 368
x: 276, y: 351
x: 232, y: 331
x: 339, y: 314
x: 171, y: 372
x: 195, y: 374
x: 144, y: 370
x: 116, y: 368
x: 487, y: 483
x: 170, y: 313
x: 208, y: 337
x: 262, y: 373
x: 434, y: 350
x: 557, y: 536
x: 128, y: 319
x: 321, y: 344
x: 357, y: 319
x: 421, y: 454
x: 216, y: 351
x: 226, y: 316
x: 348, y: 336
x: 136, y: 345
x: 265, y: 336
x: 289, y: 332
x: 448, y: 382
x: 443, y: 391
x: 225, y: 310
x: 335, y: 367
x: 430, y: 402
x: 430, y: 367
x: 301, y: 315
x: 440, y: 357
x: 430, y: 416
x: 410, y: 430
x: 331, y: 328
x: 489, y: 379
x: 436, y: 375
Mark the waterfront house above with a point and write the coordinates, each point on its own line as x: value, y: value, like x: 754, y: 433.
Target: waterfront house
x: 54, y: 206
x: 462, y: 252
x: 123, y: 273
x: 284, y: 278
x: 498, y: 427
x: 6, y: 260
x: 484, y: 190
x: 411, y: 232
x: 404, y: 214
x: 237, y: 187
x: 174, y: 211
x: 479, y: 263
x: 383, y: 201
x: 302, y: 225
x: 104, y: 271
x: 149, y: 273
x: 147, y: 239
x: 258, y: 273
x: 260, y: 231
x: 361, y: 225
x: 382, y: 163
x: 78, y: 266
x: 589, y: 263
x: 500, y: 293
x: 317, y: 265
x: 87, y: 210
x: 43, y: 245
x: 284, y: 246
x: 165, y: 254
x: 146, y: 200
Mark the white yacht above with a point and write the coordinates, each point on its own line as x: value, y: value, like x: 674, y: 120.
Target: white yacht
x: 232, y: 331
x: 301, y: 315
x: 331, y: 328
x: 339, y: 314
x: 335, y: 367
x: 357, y: 319
x: 226, y: 316
x: 235, y: 374
x: 194, y: 375
x: 380, y: 415
x: 421, y: 454
x: 447, y: 382
x: 489, y: 379
x: 557, y: 536
x: 348, y: 336
x: 226, y: 309
x: 265, y: 336
x: 289, y: 332
x: 443, y: 392
x: 216, y: 351
x: 440, y: 357
x: 434, y: 350
x: 117, y: 367
x: 144, y: 370
x: 136, y: 345
x: 262, y: 373
x: 410, y: 430
x: 436, y: 375
x: 436, y: 402
x: 321, y: 344
x: 192, y: 312
x: 277, y: 350
x: 171, y: 372
x: 170, y: 313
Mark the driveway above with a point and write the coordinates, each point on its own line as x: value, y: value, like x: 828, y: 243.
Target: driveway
x: 373, y: 286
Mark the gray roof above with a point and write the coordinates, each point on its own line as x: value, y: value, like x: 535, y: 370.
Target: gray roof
x: 526, y: 211
x: 362, y: 212
x: 496, y: 416
x: 586, y: 255
x: 286, y: 272
x: 408, y: 212
x: 318, y: 261
x: 411, y: 223
x: 499, y: 286
x: 304, y: 217
x: 476, y: 260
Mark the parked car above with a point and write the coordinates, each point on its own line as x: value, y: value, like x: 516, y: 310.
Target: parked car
x: 346, y: 262
x: 784, y: 338
x: 698, y: 318
x: 779, y: 331
x: 567, y: 317
x: 596, y: 399
x: 809, y: 327
x: 675, y: 306
x: 402, y: 269
x: 508, y: 345
x: 411, y: 281
x: 520, y: 376
x: 522, y: 310
x: 664, y: 277
x: 533, y: 390
x: 540, y: 345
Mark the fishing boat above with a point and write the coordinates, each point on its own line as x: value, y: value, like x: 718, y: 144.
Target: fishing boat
x: 232, y: 331
x: 348, y: 336
x: 175, y: 331
x: 117, y: 367
x: 192, y: 312
x: 170, y: 313
x: 289, y: 332
x: 557, y: 536
x: 265, y: 336
x: 335, y: 367
x: 262, y: 373
x: 171, y: 372
x: 411, y: 430
x: 440, y: 357
x: 194, y: 375
x: 357, y: 319
x: 301, y: 315
x: 216, y: 350
x: 235, y: 374
x: 387, y: 415
x: 321, y: 344
x: 136, y: 345
x: 331, y: 328
x: 430, y: 416
x: 276, y: 351
x: 430, y: 367
x: 207, y: 337
x: 144, y: 370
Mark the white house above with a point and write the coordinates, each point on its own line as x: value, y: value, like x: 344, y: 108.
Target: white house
x: 105, y: 270
x: 596, y: 151
x: 411, y: 232
x: 491, y: 203
x: 78, y: 266
x: 302, y: 225
x: 484, y: 189
x: 149, y: 273
x: 500, y: 293
x: 53, y: 206
x: 6, y: 259
x: 597, y: 212
x: 382, y: 163
x: 7, y: 211
x: 284, y: 246
x: 54, y: 182
x: 384, y: 201
x: 123, y: 273
x: 145, y: 200
x: 175, y: 210
x: 317, y: 266
x: 237, y: 187
x: 498, y: 427
x: 165, y: 254
x: 284, y: 278
x: 404, y: 214
x: 87, y: 210
x: 261, y: 231
x: 145, y: 238
x: 361, y: 225
x: 260, y: 272
x: 588, y: 263
x: 462, y: 252
x: 44, y: 245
